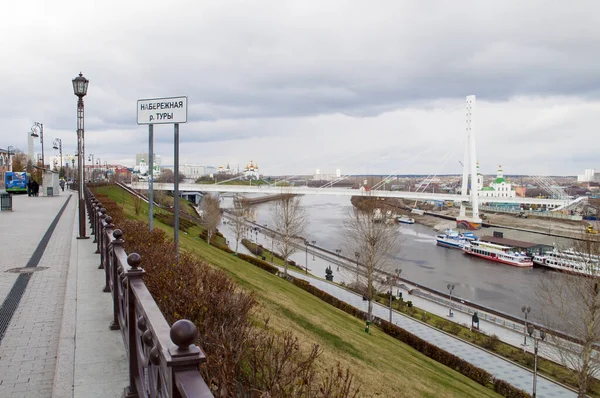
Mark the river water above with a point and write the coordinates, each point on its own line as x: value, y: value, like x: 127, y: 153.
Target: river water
x: 502, y: 287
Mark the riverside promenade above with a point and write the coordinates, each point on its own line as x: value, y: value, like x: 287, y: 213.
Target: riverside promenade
x: 501, y: 368
x: 54, y: 319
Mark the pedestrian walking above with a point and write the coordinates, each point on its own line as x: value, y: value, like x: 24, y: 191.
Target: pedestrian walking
x: 35, y: 188
x: 29, y: 187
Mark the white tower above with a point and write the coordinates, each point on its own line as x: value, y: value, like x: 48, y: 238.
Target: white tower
x: 470, y: 167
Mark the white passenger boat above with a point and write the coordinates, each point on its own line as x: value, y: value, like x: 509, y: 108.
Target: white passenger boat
x: 453, y: 239
x: 498, y: 253
x: 406, y: 220
x: 570, y: 262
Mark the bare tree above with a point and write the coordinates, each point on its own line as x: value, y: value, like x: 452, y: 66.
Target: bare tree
x: 211, y: 214
x: 368, y: 233
x: 168, y: 176
x: 289, y: 221
x: 574, y: 301
x: 238, y: 221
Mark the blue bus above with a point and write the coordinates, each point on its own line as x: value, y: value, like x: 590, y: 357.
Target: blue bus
x: 16, y: 181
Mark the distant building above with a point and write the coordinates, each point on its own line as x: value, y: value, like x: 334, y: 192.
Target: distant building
x: 251, y: 171
x: 498, y: 188
x: 224, y: 170
x: 326, y: 177
x: 589, y: 175
x: 5, y: 164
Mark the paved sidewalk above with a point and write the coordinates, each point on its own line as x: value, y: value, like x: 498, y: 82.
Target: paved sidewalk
x: 58, y: 279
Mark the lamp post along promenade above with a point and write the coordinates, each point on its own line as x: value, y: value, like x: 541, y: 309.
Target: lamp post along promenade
x: 80, y: 86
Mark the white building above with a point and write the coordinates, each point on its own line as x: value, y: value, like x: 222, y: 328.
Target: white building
x: 498, y: 188
x: 326, y: 177
x: 589, y: 175
x: 251, y: 171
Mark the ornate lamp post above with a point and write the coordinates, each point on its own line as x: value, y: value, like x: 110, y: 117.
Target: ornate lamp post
x: 306, y: 243
x: 91, y: 159
x: 256, y: 231
x: 525, y: 311
x: 357, y: 255
x: 80, y: 86
x: 338, y: 251
x: 57, y: 144
x: 542, y: 336
x: 450, y: 287
x: 37, y: 130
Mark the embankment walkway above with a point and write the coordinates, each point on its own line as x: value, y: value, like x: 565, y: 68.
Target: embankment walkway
x: 54, y: 319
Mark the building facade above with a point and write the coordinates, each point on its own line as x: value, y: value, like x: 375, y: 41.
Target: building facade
x: 498, y: 188
x: 5, y: 164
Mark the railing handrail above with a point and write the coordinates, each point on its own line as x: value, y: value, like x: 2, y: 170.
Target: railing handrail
x: 162, y: 359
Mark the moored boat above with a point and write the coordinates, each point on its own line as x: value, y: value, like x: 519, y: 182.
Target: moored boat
x: 570, y: 262
x: 454, y: 240
x: 497, y: 253
x: 406, y: 220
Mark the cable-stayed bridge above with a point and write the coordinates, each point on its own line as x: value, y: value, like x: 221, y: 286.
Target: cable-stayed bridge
x: 468, y: 196
x: 272, y: 190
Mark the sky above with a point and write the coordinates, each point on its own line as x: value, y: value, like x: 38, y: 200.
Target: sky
x: 373, y: 87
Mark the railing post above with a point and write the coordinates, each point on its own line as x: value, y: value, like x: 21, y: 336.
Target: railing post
x: 99, y: 225
x: 94, y: 208
x: 114, y: 275
x: 185, y: 355
x: 133, y: 273
x: 104, y: 252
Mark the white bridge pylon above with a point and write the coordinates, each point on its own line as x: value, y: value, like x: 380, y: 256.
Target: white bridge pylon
x: 262, y: 189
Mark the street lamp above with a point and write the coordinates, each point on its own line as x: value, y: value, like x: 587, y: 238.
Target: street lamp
x: 338, y: 251
x: 542, y: 336
x: 80, y: 86
x: 314, y: 242
x: 10, y: 150
x: 525, y: 311
x: 57, y: 144
x: 256, y: 230
x: 398, y: 271
x: 98, y: 169
x: 272, y: 245
x: 91, y: 159
x: 37, y: 130
x: 450, y: 287
x: 306, y: 243
x: 357, y: 255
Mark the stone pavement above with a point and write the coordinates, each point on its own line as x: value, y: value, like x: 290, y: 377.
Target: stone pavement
x: 497, y: 366
x: 56, y: 341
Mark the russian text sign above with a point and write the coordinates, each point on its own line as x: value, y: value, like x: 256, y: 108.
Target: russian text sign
x: 162, y: 110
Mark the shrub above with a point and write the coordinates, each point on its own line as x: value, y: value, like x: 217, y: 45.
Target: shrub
x: 454, y: 328
x: 460, y: 365
x: 259, y: 263
x: 491, y: 343
x: 228, y: 332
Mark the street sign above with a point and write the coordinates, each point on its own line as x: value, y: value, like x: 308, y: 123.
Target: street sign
x: 162, y: 110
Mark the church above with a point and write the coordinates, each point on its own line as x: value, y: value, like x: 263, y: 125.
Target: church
x: 498, y: 188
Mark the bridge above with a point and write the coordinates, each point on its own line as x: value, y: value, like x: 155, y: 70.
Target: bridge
x: 470, y: 172
x: 275, y: 190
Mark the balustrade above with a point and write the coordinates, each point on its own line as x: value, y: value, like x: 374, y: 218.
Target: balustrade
x: 163, y: 360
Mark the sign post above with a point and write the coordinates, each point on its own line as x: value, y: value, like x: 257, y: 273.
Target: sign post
x: 171, y: 110
x: 151, y: 177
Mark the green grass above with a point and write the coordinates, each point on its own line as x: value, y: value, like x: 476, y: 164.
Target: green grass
x: 383, y: 366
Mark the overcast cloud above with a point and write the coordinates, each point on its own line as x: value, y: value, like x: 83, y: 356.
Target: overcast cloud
x: 365, y: 86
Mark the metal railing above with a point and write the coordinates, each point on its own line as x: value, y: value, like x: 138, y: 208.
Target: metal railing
x: 163, y: 361
x: 547, y: 214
